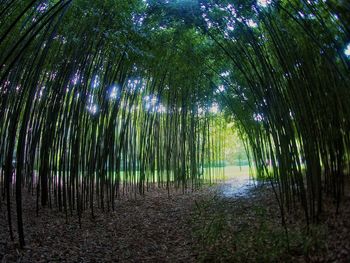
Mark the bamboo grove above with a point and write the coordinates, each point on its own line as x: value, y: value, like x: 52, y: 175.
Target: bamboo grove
x: 105, y: 98
x: 291, y: 71
x: 84, y: 121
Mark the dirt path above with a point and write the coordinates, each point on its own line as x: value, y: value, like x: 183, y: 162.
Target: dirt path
x: 154, y: 228
x: 216, y: 224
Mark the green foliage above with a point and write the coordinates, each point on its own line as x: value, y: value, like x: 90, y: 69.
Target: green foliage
x: 278, y: 70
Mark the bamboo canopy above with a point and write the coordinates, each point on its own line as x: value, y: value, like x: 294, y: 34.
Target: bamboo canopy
x: 105, y: 98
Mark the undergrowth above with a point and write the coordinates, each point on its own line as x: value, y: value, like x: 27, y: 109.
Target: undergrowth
x: 243, y: 230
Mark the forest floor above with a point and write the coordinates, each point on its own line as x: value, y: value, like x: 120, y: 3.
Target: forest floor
x: 210, y: 225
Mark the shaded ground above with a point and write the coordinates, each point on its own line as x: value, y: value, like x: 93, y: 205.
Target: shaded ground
x: 216, y: 224
x: 153, y: 229
x: 248, y: 229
